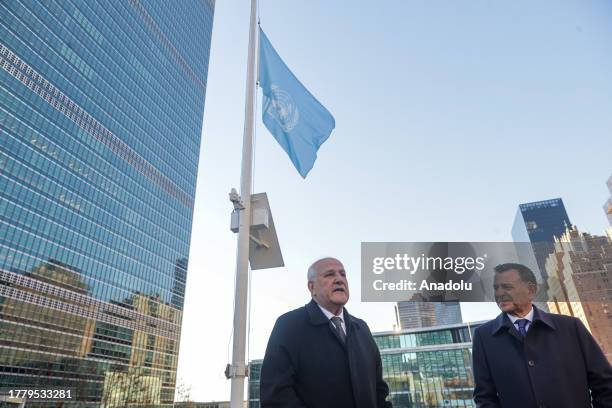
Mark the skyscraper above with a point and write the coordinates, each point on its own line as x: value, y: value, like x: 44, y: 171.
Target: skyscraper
x: 608, y: 206
x: 412, y: 315
x: 539, y: 222
x: 101, y: 108
x: 580, y: 282
x: 448, y: 313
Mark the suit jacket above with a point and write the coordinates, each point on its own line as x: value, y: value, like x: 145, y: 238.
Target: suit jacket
x: 307, y: 365
x: 554, y: 366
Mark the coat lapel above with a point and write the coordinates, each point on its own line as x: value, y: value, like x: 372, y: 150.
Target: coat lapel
x: 315, y: 315
x: 540, y: 318
x: 317, y: 318
x: 503, y: 323
x: 336, y: 335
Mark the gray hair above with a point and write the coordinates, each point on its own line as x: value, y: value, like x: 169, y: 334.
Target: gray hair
x: 312, y: 273
x: 524, y: 272
x: 312, y: 270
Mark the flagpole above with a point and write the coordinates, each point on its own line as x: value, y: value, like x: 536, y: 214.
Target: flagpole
x: 238, y: 368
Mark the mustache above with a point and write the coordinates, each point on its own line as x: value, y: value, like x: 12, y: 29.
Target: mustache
x: 503, y: 299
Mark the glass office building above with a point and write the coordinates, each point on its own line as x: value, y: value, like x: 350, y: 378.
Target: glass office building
x: 448, y: 313
x: 101, y: 106
x: 424, y: 368
x: 254, y: 377
x: 411, y: 315
x: 429, y: 368
x: 539, y: 222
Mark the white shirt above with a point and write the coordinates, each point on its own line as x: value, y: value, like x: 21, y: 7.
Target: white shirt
x: 529, y: 318
x: 329, y: 315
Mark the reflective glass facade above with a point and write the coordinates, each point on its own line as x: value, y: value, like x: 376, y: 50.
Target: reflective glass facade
x: 412, y: 315
x: 539, y: 222
x: 254, y: 377
x: 101, y: 106
x: 424, y: 368
x: 429, y: 368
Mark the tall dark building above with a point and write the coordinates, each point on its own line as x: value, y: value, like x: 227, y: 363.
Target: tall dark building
x: 101, y: 106
x: 412, y: 315
x: 539, y: 222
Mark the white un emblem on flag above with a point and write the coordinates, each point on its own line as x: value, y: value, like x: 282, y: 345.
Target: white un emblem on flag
x: 283, y: 109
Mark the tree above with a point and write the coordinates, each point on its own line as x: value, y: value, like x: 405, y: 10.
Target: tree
x: 183, y: 394
x: 123, y: 388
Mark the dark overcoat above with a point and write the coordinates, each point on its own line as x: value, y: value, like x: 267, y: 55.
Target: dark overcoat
x: 554, y: 366
x: 307, y: 365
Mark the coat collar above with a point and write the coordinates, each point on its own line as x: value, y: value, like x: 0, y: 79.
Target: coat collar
x: 542, y: 316
x: 316, y: 316
x: 502, y: 322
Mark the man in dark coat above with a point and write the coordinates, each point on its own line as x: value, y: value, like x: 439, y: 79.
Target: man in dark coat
x: 527, y: 358
x: 319, y: 356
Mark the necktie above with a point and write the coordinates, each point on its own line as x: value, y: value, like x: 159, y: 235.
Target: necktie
x: 337, y: 321
x: 522, y: 326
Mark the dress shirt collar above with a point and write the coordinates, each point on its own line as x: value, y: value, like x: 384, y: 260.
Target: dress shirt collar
x: 329, y: 314
x: 514, y: 318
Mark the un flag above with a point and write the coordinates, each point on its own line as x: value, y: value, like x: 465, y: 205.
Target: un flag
x: 294, y: 117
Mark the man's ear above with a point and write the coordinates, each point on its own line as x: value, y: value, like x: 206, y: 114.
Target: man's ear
x: 311, y: 287
x: 533, y: 290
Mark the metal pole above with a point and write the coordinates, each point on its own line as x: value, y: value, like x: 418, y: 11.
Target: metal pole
x: 238, y: 367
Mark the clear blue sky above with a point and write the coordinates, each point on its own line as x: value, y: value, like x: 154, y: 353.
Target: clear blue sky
x: 448, y: 115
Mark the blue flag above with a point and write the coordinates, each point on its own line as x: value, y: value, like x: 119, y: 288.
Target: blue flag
x: 294, y: 117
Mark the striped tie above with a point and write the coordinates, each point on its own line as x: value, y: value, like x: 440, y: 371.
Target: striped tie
x: 337, y: 321
x: 522, y: 326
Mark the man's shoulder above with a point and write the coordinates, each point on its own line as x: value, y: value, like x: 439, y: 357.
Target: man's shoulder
x: 561, y: 320
x: 292, y: 317
x: 359, y: 322
x: 487, y: 329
